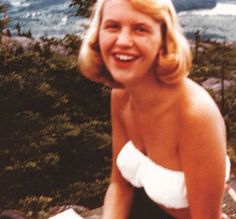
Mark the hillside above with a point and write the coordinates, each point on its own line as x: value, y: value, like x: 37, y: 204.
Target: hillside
x: 55, y: 146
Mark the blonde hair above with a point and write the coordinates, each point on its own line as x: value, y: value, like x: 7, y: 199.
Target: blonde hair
x: 174, y: 59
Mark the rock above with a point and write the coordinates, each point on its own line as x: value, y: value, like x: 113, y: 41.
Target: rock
x: 93, y: 214
x: 14, y: 42
x: 27, y: 43
x: 59, y: 49
x: 229, y: 206
x: 214, y: 84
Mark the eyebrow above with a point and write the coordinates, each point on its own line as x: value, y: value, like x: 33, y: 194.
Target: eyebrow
x: 143, y: 25
x: 134, y: 24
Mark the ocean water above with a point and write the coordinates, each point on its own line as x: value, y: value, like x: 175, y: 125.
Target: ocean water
x: 52, y: 18
x: 218, y: 23
x: 55, y: 18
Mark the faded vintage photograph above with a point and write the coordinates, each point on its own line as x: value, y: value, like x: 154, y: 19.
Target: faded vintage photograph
x: 118, y: 109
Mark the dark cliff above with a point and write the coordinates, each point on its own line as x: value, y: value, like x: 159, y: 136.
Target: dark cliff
x: 183, y: 5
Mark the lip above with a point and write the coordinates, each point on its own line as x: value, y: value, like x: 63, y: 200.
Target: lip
x: 124, y: 53
x: 124, y: 57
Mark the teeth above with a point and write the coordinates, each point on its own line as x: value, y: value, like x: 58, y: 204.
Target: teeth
x: 124, y: 57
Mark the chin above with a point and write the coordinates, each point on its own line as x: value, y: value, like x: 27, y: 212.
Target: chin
x: 125, y: 81
x: 126, y: 78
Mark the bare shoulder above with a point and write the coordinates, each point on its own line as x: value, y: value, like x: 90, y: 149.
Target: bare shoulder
x: 202, y: 125
x: 202, y: 151
x: 199, y: 108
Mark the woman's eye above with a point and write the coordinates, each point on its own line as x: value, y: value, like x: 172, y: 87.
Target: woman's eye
x: 141, y: 30
x: 111, y: 27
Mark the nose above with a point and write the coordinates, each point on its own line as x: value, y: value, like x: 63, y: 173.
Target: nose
x: 125, y: 38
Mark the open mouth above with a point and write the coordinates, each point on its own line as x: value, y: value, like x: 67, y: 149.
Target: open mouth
x: 125, y: 58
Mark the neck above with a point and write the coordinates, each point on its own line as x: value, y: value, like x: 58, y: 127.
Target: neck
x: 149, y: 93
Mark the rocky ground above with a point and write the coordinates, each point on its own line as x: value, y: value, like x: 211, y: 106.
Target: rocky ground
x: 229, y: 206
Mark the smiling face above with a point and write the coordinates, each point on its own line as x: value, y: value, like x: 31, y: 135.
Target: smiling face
x: 129, y: 41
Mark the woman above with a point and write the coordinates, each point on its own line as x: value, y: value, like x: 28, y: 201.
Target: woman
x: 169, y: 141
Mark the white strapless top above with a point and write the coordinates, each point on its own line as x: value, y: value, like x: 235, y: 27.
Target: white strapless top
x: 164, y: 186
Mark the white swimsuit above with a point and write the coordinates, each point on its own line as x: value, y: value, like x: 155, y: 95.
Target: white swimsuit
x: 164, y: 186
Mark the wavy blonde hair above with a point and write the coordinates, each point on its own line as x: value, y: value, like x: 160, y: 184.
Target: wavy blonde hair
x: 173, y: 61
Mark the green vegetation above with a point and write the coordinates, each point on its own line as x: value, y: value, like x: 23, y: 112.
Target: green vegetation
x: 212, y: 59
x: 3, y: 19
x: 55, y: 130
x: 55, y: 145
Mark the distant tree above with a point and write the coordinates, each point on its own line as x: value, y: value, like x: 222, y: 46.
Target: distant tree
x: 83, y: 6
x: 8, y: 32
x: 197, y: 42
x: 26, y: 34
x: 18, y: 28
x: 3, y: 18
x: 29, y: 33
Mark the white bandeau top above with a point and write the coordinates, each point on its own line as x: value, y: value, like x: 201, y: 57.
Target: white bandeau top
x: 162, y: 185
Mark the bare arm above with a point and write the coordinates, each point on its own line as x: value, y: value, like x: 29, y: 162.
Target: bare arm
x: 119, y: 195
x: 117, y: 202
x: 202, y: 152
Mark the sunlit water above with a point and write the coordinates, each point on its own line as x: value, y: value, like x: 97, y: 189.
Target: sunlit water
x: 218, y: 23
x: 55, y: 18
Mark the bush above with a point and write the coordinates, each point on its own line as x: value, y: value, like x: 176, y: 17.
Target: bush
x: 55, y: 132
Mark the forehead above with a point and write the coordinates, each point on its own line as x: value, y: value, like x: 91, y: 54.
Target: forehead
x: 123, y: 10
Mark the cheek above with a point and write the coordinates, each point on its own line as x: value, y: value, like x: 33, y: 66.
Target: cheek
x: 155, y: 47
x: 151, y: 50
x: 104, y: 38
x: 154, y: 41
x: 100, y: 41
x: 102, y: 45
